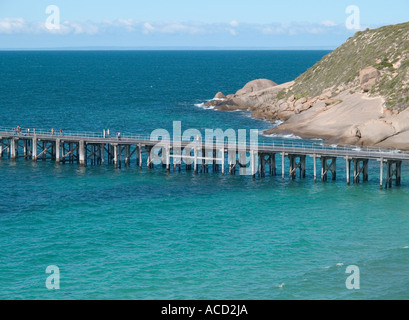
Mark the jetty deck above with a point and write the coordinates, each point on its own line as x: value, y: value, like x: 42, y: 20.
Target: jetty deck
x: 87, y: 148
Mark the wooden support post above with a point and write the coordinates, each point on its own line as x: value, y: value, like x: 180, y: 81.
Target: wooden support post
x: 81, y: 153
x: 223, y: 161
x: 95, y: 157
x: 44, y: 152
x: 334, y: 168
x: 381, y: 174
x: 127, y: 153
x: 53, y: 151
x: 356, y: 171
x: 324, y: 169
x: 348, y: 168
x: 57, y: 150
x: 12, y: 149
x: 273, y: 167
x: 71, y: 152
x: 292, y: 167
x: 398, y: 173
x: 242, y: 161
x: 168, y: 158
x: 34, y: 152
x: 314, y: 159
x: 115, y: 146
x: 195, y: 160
x: 203, y: 165
x: 215, y: 164
x: 283, y: 165
x: 390, y: 173
x: 140, y: 155
x: 119, y: 156
x: 253, y: 163
x: 25, y: 148
x: 108, y: 147
x: 102, y: 153
x: 262, y: 165
x: 365, y: 170
x: 303, y: 160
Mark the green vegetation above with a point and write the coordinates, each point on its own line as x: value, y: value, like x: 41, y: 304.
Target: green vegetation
x: 281, y: 95
x: 386, y: 49
x: 384, y: 64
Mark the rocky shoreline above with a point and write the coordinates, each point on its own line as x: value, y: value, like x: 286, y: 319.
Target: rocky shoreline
x: 343, y: 116
x: 357, y: 94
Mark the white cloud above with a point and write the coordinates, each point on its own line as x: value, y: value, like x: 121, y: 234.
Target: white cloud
x: 147, y: 28
x: 272, y: 29
x: 12, y: 25
x: 328, y: 23
x: 234, y: 23
x: 298, y: 28
x: 21, y: 26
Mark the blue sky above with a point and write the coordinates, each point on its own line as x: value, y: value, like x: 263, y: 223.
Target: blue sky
x: 190, y: 23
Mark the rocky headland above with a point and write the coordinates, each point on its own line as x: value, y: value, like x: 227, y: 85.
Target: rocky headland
x: 356, y: 95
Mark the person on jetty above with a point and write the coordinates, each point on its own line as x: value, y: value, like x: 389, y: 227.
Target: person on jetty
x: 61, y: 132
x: 52, y: 131
x: 119, y: 135
x: 17, y: 131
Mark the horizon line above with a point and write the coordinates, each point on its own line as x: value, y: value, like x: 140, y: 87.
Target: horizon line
x: 175, y: 48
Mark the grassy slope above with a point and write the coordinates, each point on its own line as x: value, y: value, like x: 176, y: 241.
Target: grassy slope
x: 382, y: 48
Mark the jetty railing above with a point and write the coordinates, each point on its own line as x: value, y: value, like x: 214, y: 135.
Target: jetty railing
x: 289, y: 145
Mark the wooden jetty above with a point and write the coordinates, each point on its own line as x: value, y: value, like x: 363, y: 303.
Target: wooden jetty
x: 97, y: 149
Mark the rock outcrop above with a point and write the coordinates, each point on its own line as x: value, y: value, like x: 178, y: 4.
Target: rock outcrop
x: 219, y: 96
x: 358, y: 94
x: 368, y: 78
x: 256, y: 85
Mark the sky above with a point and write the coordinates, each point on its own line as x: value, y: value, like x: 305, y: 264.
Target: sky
x: 255, y: 24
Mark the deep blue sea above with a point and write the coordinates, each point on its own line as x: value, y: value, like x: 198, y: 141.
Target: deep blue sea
x: 133, y: 233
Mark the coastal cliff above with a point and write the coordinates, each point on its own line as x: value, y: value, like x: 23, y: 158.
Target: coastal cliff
x: 357, y: 94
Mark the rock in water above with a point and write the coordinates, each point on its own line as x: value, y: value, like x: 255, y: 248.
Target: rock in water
x: 219, y: 96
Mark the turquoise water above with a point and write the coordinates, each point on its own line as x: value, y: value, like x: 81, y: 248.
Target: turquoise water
x: 148, y: 234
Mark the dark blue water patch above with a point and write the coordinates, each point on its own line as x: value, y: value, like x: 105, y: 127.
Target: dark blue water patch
x: 130, y: 91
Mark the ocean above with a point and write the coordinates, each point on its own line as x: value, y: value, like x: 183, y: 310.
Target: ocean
x: 133, y: 233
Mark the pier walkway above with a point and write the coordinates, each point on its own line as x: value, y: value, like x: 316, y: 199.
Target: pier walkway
x: 87, y: 148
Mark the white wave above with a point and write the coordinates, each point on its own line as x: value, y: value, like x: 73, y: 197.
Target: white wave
x: 285, y: 136
x: 280, y: 286
x: 204, y: 106
x: 325, y: 267
x: 339, y: 264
